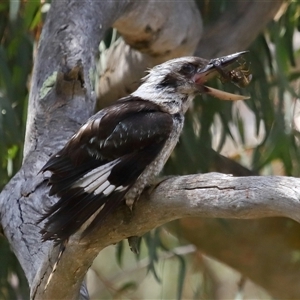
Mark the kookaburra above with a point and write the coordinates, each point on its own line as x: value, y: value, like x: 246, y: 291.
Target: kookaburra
x: 120, y: 149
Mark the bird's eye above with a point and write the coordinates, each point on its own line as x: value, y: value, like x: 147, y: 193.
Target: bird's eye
x: 188, y: 69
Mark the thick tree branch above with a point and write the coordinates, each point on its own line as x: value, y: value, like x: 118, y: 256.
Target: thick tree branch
x: 62, y: 97
x: 210, y: 195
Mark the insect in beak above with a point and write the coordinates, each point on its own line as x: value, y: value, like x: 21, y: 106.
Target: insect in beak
x: 223, y: 67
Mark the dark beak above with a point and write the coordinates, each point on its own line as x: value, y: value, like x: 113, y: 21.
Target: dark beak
x: 224, y: 68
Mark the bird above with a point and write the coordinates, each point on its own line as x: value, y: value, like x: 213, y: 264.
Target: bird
x: 123, y: 147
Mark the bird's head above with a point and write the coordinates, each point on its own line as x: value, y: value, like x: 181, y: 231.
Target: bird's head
x: 175, y: 83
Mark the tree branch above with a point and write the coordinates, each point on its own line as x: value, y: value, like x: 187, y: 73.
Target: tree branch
x: 62, y: 97
x: 209, y: 195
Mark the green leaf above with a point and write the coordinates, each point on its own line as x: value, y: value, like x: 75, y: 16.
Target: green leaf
x: 32, y: 14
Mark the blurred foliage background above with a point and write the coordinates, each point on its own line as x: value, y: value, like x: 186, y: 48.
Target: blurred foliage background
x: 261, y: 133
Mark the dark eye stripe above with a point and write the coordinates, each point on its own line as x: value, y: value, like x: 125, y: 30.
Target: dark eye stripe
x: 169, y: 81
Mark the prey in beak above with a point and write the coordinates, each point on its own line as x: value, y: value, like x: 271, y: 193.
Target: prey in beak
x: 227, y: 68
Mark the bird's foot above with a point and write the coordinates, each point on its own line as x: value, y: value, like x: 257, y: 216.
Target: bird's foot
x: 156, y: 182
x: 129, y: 212
x: 130, y: 203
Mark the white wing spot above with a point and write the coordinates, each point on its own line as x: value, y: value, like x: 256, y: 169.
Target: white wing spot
x: 96, y: 180
x: 121, y: 188
x: 92, y: 140
x: 109, y: 190
x: 97, y: 183
x: 101, y: 188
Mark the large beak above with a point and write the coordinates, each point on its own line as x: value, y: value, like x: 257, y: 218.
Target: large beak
x: 224, y: 68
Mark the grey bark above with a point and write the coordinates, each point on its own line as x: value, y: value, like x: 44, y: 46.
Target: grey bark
x: 62, y: 97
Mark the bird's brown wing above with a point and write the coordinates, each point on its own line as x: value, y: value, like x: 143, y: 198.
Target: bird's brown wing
x: 96, y: 168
